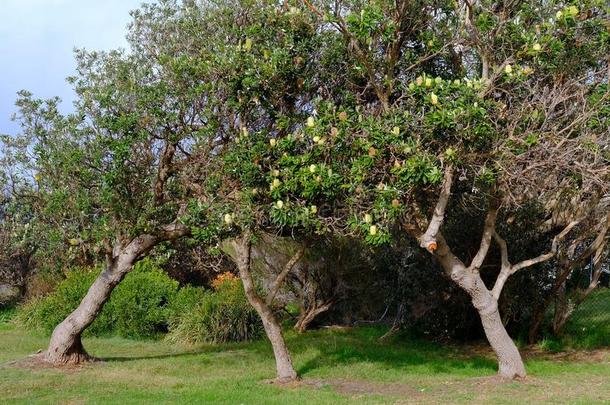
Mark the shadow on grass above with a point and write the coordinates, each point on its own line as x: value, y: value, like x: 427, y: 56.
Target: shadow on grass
x: 346, y: 347
x: 362, y: 345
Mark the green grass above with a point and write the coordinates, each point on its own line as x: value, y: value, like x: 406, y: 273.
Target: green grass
x: 589, y: 325
x: 347, y: 367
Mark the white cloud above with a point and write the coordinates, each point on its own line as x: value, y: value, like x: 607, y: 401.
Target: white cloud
x: 37, y: 38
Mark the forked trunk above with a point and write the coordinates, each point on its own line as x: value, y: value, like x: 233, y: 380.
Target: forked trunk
x: 66, y: 346
x: 510, y: 364
x: 273, y: 329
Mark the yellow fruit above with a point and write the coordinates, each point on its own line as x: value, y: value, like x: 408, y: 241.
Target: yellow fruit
x: 228, y: 219
x: 73, y: 242
x: 248, y: 44
x: 312, y: 168
x: 573, y: 11
x: 438, y: 80
x: 411, y: 86
x: 559, y: 14
x: 279, y: 204
x: 428, y: 82
x: 368, y: 218
x: 373, y: 230
x: 508, y: 69
x: 255, y: 191
x: 310, y: 122
x: 396, y: 131
x: 313, y: 209
x: 272, y: 142
x: 536, y: 47
x: 321, y: 141
x: 316, y: 139
x: 419, y: 81
x: 433, y: 99
x: 275, y: 173
x: 276, y: 183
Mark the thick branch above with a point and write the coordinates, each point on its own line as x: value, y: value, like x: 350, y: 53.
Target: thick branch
x: 277, y: 283
x: 505, y: 270
x: 488, y: 231
x: 428, y: 239
x: 508, y: 269
x: 545, y: 256
x: 165, y: 166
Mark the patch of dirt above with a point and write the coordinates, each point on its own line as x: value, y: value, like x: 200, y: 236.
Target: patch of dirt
x: 534, y: 352
x: 37, y: 361
x: 351, y: 387
x: 585, y: 356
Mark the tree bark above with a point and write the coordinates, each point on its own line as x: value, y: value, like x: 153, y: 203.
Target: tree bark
x: 65, y: 346
x: 273, y: 329
x: 308, y: 316
x: 510, y: 364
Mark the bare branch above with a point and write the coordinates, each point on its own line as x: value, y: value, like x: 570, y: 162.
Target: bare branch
x: 277, y: 283
x: 488, y: 231
x: 428, y: 239
x: 505, y: 270
x: 546, y: 256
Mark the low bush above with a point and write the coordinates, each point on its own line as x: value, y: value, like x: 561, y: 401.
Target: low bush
x: 222, y: 315
x: 139, y: 306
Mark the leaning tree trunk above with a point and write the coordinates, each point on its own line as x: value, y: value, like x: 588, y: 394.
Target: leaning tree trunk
x: 273, y: 329
x: 510, y: 364
x: 66, y: 346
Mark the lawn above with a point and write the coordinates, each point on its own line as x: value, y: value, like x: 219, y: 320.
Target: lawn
x: 338, y: 367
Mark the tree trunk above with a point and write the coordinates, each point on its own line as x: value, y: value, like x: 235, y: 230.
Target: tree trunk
x: 66, y: 346
x: 509, y: 359
x: 510, y: 364
x: 308, y: 316
x: 273, y: 329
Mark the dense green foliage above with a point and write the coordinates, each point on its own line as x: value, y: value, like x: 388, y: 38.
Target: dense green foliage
x: 139, y: 307
x: 219, y: 316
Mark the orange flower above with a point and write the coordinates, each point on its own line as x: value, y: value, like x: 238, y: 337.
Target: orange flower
x: 225, y: 279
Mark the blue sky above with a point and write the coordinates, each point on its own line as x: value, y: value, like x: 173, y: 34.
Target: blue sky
x: 37, y: 38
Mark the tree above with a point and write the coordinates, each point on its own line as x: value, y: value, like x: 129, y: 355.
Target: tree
x: 480, y: 104
x: 107, y: 176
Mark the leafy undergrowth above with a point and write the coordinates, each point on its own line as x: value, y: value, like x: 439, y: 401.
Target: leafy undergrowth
x: 338, y: 366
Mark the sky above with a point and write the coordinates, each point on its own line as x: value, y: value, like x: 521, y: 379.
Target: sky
x: 37, y: 39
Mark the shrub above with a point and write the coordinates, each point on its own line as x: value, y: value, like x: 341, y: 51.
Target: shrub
x: 223, y: 315
x: 138, y: 307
